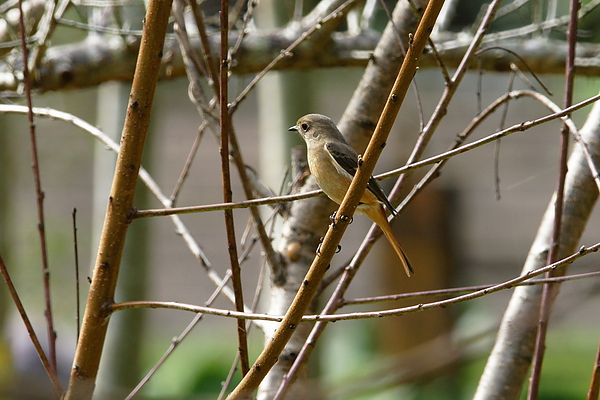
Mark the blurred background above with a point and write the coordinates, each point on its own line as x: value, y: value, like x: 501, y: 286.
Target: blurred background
x: 459, y: 232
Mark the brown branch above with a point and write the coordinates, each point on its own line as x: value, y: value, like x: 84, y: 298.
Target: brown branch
x: 518, y: 281
x: 465, y: 289
x: 101, y: 294
x: 76, y: 256
x: 550, y: 290
x: 39, y: 197
x: 225, y: 121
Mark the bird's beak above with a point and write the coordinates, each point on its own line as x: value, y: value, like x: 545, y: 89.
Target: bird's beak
x: 293, y: 128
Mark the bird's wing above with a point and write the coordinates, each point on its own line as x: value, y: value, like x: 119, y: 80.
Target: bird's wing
x: 346, y: 159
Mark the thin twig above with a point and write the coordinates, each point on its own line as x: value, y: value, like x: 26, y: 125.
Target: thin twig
x: 58, y: 390
x: 236, y: 275
x: 76, y: 255
x: 432, y: 47
x: 188, y: 163
x: 516, y: 55
x: 243, y: 29
x: 465, y: 289
x: 235, y: 151
x: 511, y: 80
x: 39, y: 196
x: 393, y: 312
x: 223, y: 206
x: 553, y: 254
x: 259, y: 288
x: 209, y: 63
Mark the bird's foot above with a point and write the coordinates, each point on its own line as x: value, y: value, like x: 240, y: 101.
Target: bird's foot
x: 339, y: 248
x: 343, y: 218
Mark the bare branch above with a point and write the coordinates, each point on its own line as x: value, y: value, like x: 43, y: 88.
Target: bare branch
x: 393, y: 312
x: 99, y: 59
x: 39, y: 196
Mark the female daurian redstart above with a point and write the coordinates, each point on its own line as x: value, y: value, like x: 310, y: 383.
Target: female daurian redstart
x: 333, y: 163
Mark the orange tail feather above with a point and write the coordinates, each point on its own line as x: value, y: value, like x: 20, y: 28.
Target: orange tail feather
x: 377, y: 214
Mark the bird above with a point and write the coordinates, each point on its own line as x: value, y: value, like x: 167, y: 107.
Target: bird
x: 333, y: 163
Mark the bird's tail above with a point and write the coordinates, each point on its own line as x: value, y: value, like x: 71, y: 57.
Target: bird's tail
x: 378, y: 216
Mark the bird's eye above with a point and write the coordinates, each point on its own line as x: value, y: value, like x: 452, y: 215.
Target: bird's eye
x: 304, y: 127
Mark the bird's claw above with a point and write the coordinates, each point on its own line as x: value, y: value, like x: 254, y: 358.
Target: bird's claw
x: 339, y: 247
x: 343, y: 218
x: 346, y: 219
x: 331, y: 219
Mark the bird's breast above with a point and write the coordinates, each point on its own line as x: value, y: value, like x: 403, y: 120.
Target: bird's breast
x: 328, y: 177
